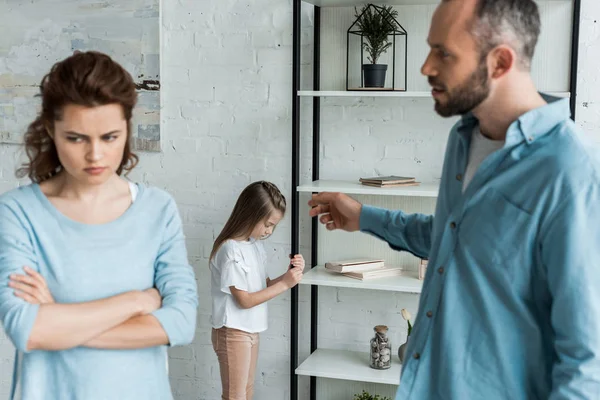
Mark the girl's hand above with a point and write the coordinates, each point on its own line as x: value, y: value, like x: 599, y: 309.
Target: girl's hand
x: 292, y: 277
x: 298, y: 262
x: 31, y: 287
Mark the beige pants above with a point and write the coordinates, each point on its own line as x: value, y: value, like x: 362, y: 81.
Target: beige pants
x: 237, y: 352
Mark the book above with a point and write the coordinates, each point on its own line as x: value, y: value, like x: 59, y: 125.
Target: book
x: 387, y: 180
x: 392, y: 184
x: 355, y: 265
x: 375, y: 274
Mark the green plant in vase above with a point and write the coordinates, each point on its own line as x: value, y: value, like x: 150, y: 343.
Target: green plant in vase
x: 402, y: 349
x: 376, y: 24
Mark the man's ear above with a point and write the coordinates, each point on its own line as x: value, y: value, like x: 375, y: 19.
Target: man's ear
x: 501, y: 60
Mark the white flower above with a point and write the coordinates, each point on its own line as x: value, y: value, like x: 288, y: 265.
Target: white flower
x: 406, y: 315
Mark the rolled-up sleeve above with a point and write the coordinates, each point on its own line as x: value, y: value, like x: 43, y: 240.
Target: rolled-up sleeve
x: 176, y: 282
x: 16, y: 251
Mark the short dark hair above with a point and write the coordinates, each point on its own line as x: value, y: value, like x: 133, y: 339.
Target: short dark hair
x: 514, y: 22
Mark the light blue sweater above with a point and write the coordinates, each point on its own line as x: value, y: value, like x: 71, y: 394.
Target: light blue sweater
x: 143, y: 248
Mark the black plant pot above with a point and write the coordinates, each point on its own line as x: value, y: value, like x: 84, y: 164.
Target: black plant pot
x: 374, y: 75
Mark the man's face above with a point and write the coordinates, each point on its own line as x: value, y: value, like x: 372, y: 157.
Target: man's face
x: 455, y: 69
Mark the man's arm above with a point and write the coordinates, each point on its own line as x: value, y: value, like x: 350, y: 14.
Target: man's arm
x: 570, y: 252
x: 402, y: 231
x: 406, y: 232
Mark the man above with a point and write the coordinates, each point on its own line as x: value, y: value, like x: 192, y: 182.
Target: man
x: 510, y: 307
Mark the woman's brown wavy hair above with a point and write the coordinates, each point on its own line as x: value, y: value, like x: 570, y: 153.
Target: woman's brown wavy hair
x: 88, y: 79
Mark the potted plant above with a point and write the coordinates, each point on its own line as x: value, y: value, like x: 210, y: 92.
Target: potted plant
x: 402, y: 349
x: 366, y: 396
x: 376, y: 24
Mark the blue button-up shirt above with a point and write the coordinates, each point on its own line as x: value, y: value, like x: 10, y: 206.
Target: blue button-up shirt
x: 510, y: 307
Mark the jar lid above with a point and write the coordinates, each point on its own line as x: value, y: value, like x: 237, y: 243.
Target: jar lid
x: 381, y: 329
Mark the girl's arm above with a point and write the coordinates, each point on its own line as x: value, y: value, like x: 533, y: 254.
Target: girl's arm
x: 286, y: 281
x: 297, y: 262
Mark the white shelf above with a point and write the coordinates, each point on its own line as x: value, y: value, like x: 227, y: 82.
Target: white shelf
x: 350, y: 366
x: 407, y: 283
x: 365, y: 93
x: 408, y: 94
x: 351, y: 3
x: 423, y: 190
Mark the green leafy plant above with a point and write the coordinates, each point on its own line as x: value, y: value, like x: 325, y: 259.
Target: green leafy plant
x: 366, y: 396
x: 376, y: 24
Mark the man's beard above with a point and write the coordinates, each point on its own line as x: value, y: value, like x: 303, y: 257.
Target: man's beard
x: 466, y: 96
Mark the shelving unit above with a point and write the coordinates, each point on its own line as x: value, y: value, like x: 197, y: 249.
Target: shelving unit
x: 408, y: 282
x: 351, y: 3
x: 348, y: 365
x: 384, y: 93
x: 317, y: 186
x: 325, y: 363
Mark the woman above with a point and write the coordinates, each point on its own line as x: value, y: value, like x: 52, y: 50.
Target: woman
x: 94, y: 277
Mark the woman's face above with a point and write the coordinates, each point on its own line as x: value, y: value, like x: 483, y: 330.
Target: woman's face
x: 90, y: 141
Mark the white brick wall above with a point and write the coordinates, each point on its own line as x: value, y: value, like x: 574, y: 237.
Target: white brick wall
x: 226, y: 122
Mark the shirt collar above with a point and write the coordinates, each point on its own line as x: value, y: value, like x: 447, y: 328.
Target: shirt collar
x: 529, y: 126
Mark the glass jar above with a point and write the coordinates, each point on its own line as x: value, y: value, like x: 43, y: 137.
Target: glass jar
x: 381, y: 348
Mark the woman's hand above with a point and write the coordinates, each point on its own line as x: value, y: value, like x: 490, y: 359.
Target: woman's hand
x: 31, y: 287
x: 151, y: 301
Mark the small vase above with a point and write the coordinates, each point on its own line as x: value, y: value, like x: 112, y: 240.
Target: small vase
x: 381, y: 349
x: 402, y: 350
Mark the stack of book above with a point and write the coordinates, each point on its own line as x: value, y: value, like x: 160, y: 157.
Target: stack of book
x: 389, y: 181
x: 363, y: 268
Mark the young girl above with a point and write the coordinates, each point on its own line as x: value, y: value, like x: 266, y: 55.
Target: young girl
x: 94, y: 276
x: 241, y: 288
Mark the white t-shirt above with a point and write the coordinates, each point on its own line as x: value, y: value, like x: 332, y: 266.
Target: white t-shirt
x: 242, y: 265
x: 133, y: 188
x: 480, y: 148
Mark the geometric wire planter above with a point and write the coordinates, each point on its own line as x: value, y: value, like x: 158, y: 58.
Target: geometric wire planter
x: 397, y: 31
